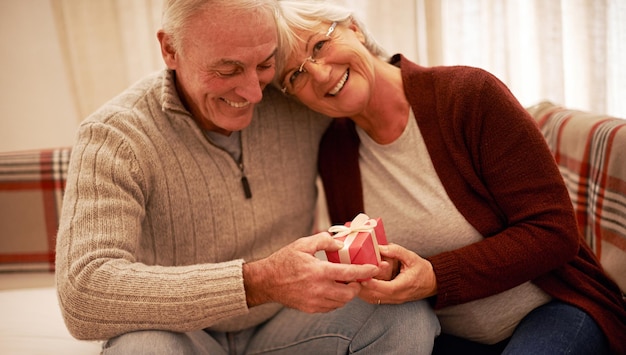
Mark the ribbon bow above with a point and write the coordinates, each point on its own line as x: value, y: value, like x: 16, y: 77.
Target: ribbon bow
x: 360, y: 223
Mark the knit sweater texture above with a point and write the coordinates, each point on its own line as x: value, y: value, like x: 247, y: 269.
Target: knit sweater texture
x: 498, y: 171
x: 155, y: 225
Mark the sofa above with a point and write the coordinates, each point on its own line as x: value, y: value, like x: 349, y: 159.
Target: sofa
x: 31, y: 193
x: 590, y: 150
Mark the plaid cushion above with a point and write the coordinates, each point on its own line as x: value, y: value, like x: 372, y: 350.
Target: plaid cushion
x: 590, y: 150
x: 31, y: 193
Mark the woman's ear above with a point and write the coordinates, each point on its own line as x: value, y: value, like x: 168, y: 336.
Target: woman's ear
x: 167, y: 49
x: 357, y: 31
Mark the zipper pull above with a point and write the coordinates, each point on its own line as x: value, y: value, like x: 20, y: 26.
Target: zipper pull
x: 246, y: 187
x: 244, y: 181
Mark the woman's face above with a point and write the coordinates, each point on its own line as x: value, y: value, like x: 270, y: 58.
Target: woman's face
x: 331, y: 71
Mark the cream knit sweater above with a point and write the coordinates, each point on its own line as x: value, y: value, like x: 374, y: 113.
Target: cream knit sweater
x: 155, y: 225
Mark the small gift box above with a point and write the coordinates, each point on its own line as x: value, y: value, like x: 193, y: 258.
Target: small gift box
x: 361, y: 238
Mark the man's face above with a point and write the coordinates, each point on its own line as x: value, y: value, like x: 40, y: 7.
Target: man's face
x: 225, y: 63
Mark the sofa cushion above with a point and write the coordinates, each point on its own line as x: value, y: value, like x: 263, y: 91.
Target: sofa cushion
x: 590, y: 150
x: 31, y: 193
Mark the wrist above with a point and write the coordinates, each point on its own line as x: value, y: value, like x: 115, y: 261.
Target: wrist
x: 253, y: 283
x: 433, y: 281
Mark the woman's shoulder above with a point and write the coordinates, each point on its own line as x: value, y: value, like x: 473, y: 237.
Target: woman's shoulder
x: 442, y: 75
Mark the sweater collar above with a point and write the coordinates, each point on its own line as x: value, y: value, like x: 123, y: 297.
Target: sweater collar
x: 170, y: 100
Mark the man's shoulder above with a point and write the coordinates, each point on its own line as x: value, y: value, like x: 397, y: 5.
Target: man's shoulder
x: 273, y: 98
x: 141, y: 96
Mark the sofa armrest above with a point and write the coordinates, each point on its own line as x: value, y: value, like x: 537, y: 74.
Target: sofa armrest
x: 31, y: 193
x: 590, y: 150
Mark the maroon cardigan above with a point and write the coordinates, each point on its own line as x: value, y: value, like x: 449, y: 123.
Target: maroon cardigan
x: 498, y: 171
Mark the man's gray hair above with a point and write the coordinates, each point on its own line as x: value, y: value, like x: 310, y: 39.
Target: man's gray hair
x: 177, y: 14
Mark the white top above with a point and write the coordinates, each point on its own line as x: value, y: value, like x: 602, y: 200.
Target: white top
x: 400, y: 186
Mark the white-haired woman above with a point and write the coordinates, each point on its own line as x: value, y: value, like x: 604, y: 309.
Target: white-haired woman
x: 480, y: 219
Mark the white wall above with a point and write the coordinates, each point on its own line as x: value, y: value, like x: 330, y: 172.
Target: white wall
x: 36, y: 110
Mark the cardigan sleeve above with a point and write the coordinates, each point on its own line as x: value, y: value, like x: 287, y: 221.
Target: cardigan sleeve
x: 500, y: 174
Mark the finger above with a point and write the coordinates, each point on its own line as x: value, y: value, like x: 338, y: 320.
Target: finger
x: 374, y: 290
x: 342, y: 292
x: 386, y: 271
x: 317, y: 242
x: 324, y: 297
x: 371, y: 297
x: 395, y: 251
x: 351, y: 272
x: 384, y: 264
x: 355, y: 286
x: 378, y: 287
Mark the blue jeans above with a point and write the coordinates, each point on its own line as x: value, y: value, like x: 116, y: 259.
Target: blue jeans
x: 357, y: 328
x: 552, y: 329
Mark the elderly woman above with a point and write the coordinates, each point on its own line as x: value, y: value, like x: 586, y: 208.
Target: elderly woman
x: 480, y: 219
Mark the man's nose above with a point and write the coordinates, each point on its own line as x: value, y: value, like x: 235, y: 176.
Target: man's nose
x: 251, y: 87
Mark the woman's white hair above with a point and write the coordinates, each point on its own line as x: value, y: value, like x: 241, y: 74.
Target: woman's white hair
x: 306, y: 14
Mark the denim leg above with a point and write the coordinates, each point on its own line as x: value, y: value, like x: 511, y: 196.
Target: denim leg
x: 557, y: 328
x: 447, y: 344
x: 356, y: 328
x: 163, y: 342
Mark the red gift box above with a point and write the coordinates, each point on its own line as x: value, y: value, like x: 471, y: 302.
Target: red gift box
x: 361, y: 238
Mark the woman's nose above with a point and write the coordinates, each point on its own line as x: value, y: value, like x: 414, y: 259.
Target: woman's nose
x: 318, y: 70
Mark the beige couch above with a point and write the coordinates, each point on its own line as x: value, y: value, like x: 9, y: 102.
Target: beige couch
x: 589, y: 149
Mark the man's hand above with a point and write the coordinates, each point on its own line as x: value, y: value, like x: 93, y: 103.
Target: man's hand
x: 294, y: 277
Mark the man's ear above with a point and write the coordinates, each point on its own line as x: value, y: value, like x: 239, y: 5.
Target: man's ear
x: 167, y: 49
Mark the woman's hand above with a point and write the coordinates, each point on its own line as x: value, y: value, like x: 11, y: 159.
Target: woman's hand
x: 415, y: 281
x: 389, y: 268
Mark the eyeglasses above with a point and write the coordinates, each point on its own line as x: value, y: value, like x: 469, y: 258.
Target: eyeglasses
x: 296, y: 80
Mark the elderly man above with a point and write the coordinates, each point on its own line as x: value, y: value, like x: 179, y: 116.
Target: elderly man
x: 187, y: 202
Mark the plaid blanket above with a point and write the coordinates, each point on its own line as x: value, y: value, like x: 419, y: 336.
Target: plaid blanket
x: 590, y: 150
x: 31, y: 193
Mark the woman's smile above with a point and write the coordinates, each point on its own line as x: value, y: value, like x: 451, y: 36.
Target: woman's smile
x: 340, y: 84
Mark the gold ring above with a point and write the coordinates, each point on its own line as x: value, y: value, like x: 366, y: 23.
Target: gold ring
x: 378, y: 301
